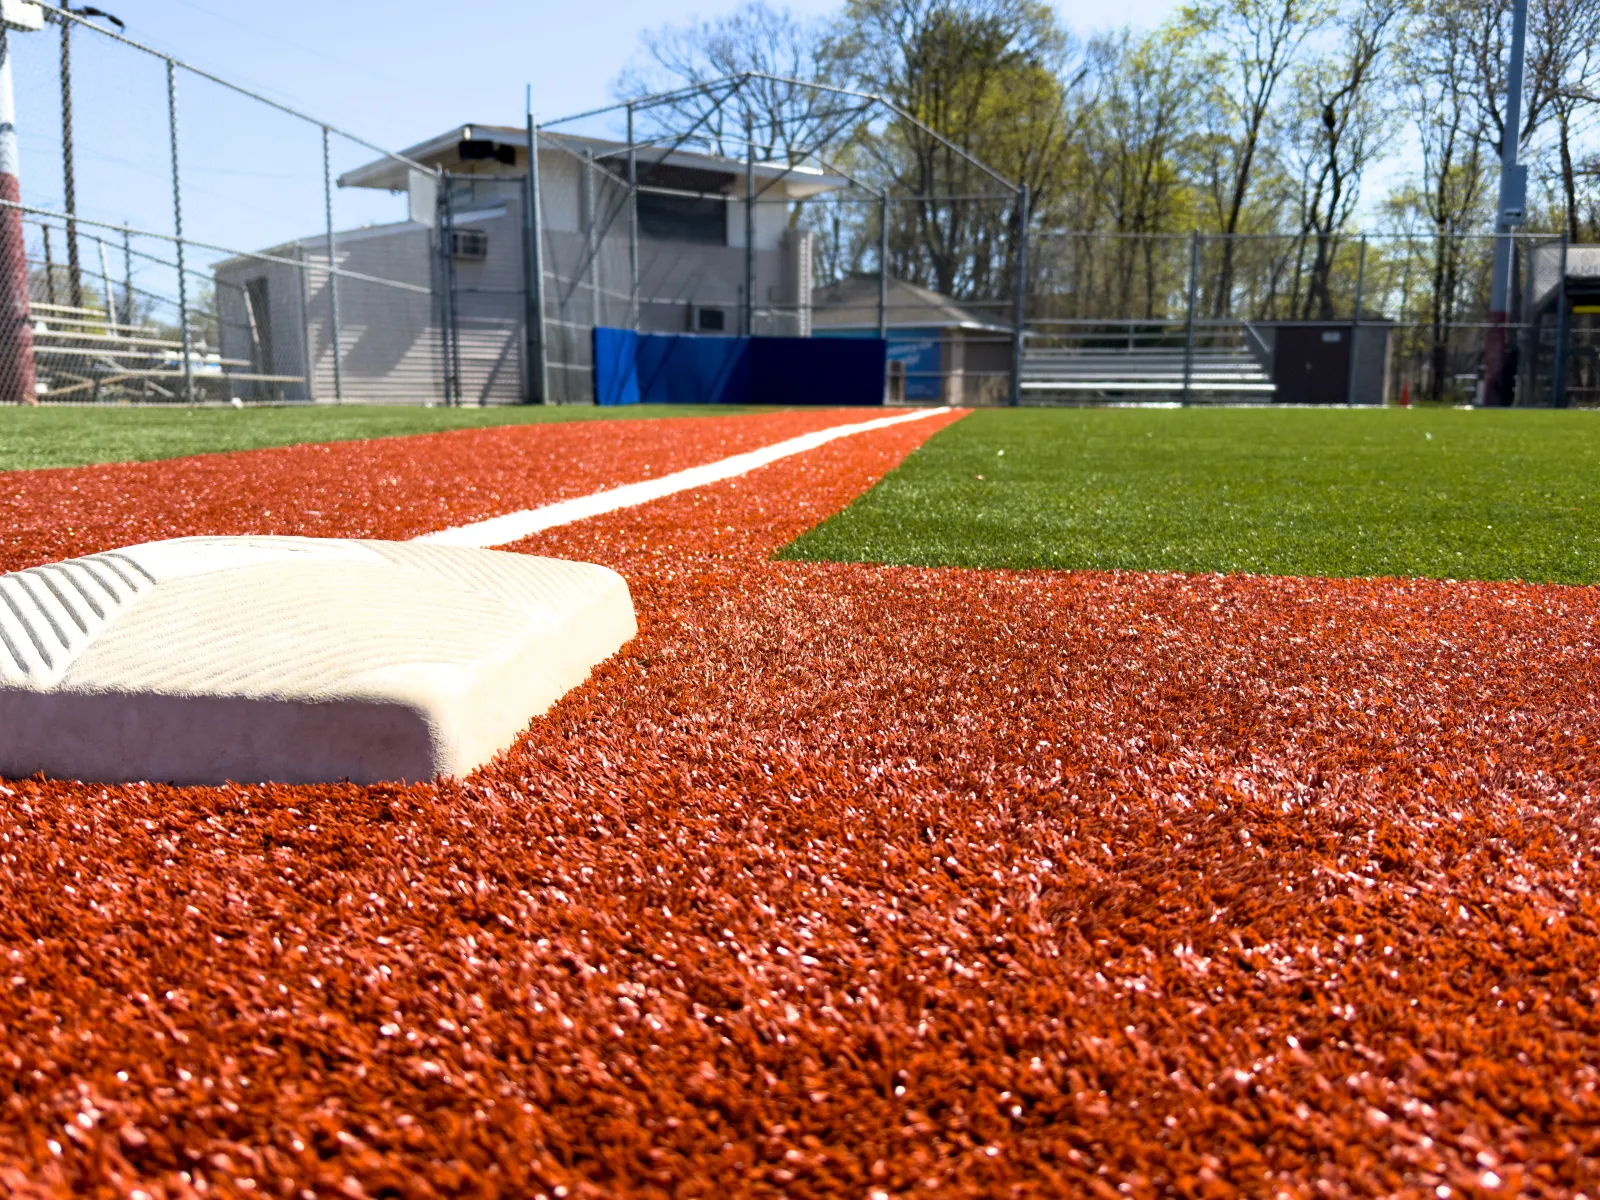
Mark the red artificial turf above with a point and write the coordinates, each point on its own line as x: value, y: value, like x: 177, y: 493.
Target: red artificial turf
x: 848, y: 881
x: 383, y: 488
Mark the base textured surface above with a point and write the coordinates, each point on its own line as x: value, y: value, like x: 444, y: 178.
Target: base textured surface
x: 846, y: 881
x: 291, y: 660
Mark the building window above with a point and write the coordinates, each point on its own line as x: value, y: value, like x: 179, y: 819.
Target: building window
x: 710, y: 320
x: 669, y: 218
x: 470, y: 244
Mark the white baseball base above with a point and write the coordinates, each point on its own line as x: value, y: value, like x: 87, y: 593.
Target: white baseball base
x: 292, y: 660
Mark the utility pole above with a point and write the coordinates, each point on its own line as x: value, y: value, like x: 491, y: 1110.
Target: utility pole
x: 1513, y: 198
x: 18, y: 382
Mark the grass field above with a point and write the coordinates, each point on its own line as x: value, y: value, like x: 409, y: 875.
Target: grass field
x: 1443, y: 494
x: 75, y: 437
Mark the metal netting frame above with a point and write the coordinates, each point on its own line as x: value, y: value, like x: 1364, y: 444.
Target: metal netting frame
x: 722, y: 92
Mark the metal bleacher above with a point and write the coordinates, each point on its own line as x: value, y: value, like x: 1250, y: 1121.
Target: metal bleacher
x: 86, y: 357
x: 1145, y: 361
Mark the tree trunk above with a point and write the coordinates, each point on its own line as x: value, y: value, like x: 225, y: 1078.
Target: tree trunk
x: 1569, y: 186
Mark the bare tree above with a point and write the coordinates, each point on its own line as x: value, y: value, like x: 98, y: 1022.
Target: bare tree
x: 1555, y: 30
x: 1341, y: 122
x: 992, y: 79
x: 1573, y: 30
x: 1443, y: 82
x: 788, y: 122
x: 1139, y: 143
x: 1257, y: 44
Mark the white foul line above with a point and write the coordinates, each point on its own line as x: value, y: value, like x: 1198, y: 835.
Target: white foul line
x: 513, y: 527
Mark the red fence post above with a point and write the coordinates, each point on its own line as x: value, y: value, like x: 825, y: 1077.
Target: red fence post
x: 18, y: 381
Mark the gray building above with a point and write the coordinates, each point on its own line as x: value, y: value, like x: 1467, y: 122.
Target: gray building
x: 401, y: 298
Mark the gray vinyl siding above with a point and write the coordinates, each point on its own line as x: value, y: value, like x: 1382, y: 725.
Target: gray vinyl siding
x: 390, y: 338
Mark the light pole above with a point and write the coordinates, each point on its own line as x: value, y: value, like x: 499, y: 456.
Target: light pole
x: 1513, y: 197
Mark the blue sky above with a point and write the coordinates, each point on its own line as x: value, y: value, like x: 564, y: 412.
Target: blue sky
x: 392, y: 70
x: 394, y: 73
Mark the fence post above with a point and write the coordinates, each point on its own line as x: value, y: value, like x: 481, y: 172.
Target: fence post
x: 1558, y: 377
x: 539, y: 356
x: 177, y: 228
x: 333, y: 267
x: 1019, y: 311
x: 305, y: 325
x: 1355, y: 326
x: 127, y: 278
x: 452, y: 322
x: 18, y: 377
x: 883, y: 264
x: 49, y: 265
x: 749, y: 227
x: 69, y: 183
x: 1526, y: 342
x: 111, y: 295
x: 1188, y: 320
x: 590, y: 237
x: 441, y: 250
x: 633, y: 226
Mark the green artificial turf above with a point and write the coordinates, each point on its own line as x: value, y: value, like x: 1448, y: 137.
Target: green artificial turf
x: 1440, y: 493
x: 71, y: 437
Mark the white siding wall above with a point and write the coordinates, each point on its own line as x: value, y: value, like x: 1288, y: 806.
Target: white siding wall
x: 560, y: 190
x: 391, y: 338
x: 772, y: 220
x: 388, y: 336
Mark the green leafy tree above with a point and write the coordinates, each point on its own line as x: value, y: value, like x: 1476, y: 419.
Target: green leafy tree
x: 1255, y: 45
x: 993, y: 80
x: 1341, y: 114
x: 1448, y: 195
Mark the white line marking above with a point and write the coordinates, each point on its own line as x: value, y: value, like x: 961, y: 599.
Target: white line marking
x: 513, y: 527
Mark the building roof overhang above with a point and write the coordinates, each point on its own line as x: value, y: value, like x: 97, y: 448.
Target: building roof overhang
x: 795, y: 182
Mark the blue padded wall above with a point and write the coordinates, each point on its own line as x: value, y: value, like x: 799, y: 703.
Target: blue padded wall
x: 616, y: 366
x: 684, y: 368
x: 830, y: 371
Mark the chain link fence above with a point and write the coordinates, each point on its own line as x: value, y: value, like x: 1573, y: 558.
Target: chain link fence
x: 167, y: 236
x: 1300, y: 319
x: 178, y: 238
